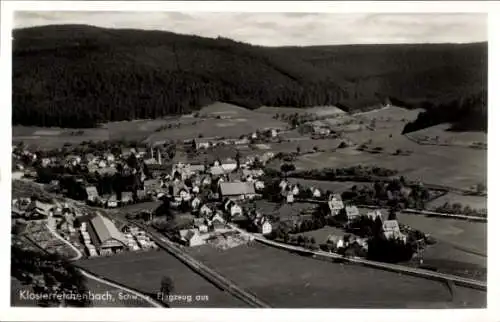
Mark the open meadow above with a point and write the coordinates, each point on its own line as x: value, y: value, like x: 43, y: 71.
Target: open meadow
x: 445, y: 136
x: 311, y: 283
x: 474, y: 202
x: 52, y: 138
x: 456, y: 167
x: 118, y: 298
x: 461, y: 247
x: 144, y: 271
x: 320, y: 111
x: 219, y: 120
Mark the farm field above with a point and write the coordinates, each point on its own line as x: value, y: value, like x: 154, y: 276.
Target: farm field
x: 450, y: 137
x: 51, y: 138
x: 305, y: 145
x: 318, y: 110
x: 312, y: 283
x: 321, y: 235
x: 463, y: 234
x: 285, y: 211
x: 466, y: 235
x: 474, y: 202
x: 119, y: 298
x: 451, y: 166
x: 144, y: 271
x: 219, y: 120
x: 390, y: 114
x: 461, y: 245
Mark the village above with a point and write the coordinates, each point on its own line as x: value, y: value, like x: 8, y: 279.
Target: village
x: 192, y: 203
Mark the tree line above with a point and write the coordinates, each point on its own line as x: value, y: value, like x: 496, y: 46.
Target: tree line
x: 81, y: 76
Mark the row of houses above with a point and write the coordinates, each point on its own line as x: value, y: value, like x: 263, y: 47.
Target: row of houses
x: 207, y: 143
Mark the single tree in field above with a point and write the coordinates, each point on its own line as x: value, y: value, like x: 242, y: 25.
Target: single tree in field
x: 167, y: 287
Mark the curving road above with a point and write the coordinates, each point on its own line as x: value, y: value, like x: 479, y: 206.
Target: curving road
x: 99, y: 279
x: 76, y: 250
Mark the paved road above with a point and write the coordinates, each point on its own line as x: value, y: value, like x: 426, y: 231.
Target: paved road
x: 203, y: 270
x: 76, y: 250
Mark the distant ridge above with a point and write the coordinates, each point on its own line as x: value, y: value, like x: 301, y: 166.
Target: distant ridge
x: 79, y: 75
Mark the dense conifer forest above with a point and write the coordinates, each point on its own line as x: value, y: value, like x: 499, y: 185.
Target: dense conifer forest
x: 80, y: 76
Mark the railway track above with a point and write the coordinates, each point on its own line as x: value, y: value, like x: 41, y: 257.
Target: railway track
x: 208, y: 273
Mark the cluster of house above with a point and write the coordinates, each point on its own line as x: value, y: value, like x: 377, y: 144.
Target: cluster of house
x: 389, y: 227
x: 207, y: 143
x: 290, y: 191
x: 54, y: 211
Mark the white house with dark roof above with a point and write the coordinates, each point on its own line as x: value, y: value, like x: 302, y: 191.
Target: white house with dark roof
x: 259, y: 185
x: 217, y: 170
x: 233, y: 208
x: 127, y: 197
x: 92, y: 194
x: 195, y: 203
x: 194, y: 238
x: 391, y: 230
x: 237, y: 190
x: 352, y: 213
x: 112, y: 201
x: 335, y: 203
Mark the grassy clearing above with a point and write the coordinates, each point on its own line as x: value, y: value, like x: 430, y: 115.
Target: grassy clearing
x: 390, y: 114
x: 317, y: 110
x: 452, y: 166
x: 144, y: 271
x: 463, y: 234
x: 474, y: 202
x: 449, y: 137
x: 119, y: 298
x: 321, y: 235
x: 460, y: 248
x: 310, y: 283
x: 285, y: 211
x: 51, y: 138
x: 212, y: 127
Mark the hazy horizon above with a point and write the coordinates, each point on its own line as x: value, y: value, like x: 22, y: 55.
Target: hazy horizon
x: 282, y: 29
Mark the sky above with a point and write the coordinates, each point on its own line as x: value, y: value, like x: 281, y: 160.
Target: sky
x: 284, y: 29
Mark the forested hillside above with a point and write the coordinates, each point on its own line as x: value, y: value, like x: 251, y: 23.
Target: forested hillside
x: 79, y: 76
